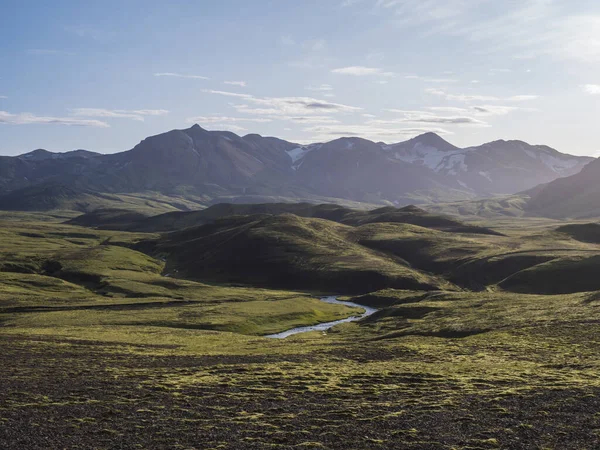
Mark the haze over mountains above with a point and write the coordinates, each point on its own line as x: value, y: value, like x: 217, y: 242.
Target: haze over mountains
x: 214, y: 166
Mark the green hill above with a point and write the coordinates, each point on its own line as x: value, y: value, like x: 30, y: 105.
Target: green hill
x: 336, y: 213
x: 284, y: 251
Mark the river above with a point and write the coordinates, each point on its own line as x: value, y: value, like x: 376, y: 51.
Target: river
x: 327, y: 325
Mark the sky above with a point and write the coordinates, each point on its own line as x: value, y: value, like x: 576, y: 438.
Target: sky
x: 102, y: 76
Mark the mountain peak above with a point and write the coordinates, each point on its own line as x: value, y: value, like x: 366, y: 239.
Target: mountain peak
x: 195, y: 129
x: 38, y: 154
x: 431, y: 139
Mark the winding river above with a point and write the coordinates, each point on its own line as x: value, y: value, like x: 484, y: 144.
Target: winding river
x: 327, y: 325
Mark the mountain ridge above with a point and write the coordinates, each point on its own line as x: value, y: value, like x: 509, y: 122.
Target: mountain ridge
x: 222, y: 165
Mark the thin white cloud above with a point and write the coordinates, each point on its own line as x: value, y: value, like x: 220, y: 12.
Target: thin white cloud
x: 228, y: 127
x: 469, y: 98
x: 180, y: 75
x: 287, y: 40
x: 370, y: 131
x: 592, y: 89
x: 284, y: 106
x: 227, y: 94
x: 295, y: 106
x: 91, y: 32
x: 480, y: 110
x: 236, y: 83
x: 424, y: 117
x: 321, y: 88
x: 557, y: 29
x: 448, y: 109
x: 47, y: 52
x: 225, y: 119
x: 430, y: 79
x: 32, y: 119
x: 314, y: 45
x: 522, y: 98
x: 312, y: 120
x: 361, y: 71
x: 3, y: 97
x: 136, y: 114
x: 466, y: 98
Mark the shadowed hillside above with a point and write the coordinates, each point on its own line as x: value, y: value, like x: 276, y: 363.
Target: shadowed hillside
x: 284, y: 251
x: 335, y: 213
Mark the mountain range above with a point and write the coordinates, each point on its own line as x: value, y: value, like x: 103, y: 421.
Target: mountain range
x: 214, y: 166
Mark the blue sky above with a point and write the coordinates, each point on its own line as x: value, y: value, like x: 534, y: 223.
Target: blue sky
x: 104, y: 75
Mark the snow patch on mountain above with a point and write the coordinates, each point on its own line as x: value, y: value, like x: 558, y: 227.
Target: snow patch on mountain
x: 486, y: 175
x: 434, y: 159
x: 298, y: 154
x: 557, y: 164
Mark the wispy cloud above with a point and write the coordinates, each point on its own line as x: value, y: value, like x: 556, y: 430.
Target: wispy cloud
x: 3, y: 97
x: 32, y: 119
x: 90, y: 32
x: 592, y: 89
x: 236, y: 83
x: 370, y: 131
x: 362, y: 71
x: 522, y: 98
x: 312, y: 120
x: 558, y: 29
x: 284, y: 106
x: 429, y: 118
x: 228, y: 127
x: 47, y: 52
x: 227, y: 93
x: 286, y: 40
x: 180, y: 75
x: 430, y: 79
x: 321, y: 88
x: 294, y: 106
x: 468, y: 98
x: 480, y: 110
x: 225, y: 119
x: 136, y: 114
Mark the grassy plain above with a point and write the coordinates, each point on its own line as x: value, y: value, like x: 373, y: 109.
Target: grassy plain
x: 100, y: 350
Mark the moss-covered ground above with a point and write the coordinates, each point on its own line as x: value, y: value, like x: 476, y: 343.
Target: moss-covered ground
x: 99, y: 350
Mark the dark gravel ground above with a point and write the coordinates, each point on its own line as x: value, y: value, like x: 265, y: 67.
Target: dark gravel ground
x: 80, y: 396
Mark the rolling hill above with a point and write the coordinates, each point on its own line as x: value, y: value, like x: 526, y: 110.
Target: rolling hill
x: 284, y: 251
x: 111, y: 219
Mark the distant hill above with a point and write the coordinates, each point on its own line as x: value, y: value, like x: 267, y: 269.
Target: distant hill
x: 284, y: 251
x: 180, y: 220
x: 577, y: 196
x: 215, y: 166
x: 50, y: 197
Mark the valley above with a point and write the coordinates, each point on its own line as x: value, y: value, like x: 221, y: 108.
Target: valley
x: 120, y: 329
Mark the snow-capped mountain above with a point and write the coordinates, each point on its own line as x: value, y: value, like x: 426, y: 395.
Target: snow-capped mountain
x: 221, y: 164
x: 500, y: 167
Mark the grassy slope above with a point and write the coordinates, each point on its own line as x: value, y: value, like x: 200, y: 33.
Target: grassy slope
x: 285, y: 251
x: 452, y: 370
x: 164, y: 365
x: 354, y: 217
x: 494, y: 208
x: 81, y: 272
x: 61, y: 198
